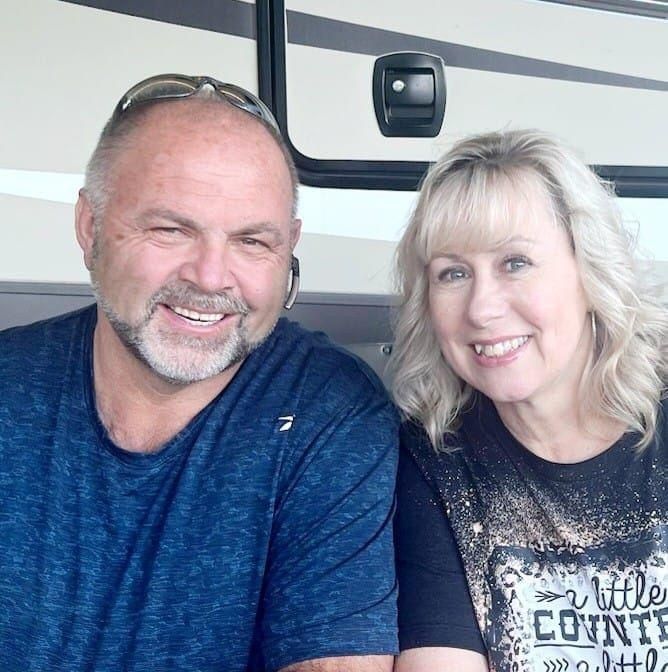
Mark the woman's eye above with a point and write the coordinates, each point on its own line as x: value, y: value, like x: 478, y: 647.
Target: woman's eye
x: 514, y: 264
x: 452, y: 275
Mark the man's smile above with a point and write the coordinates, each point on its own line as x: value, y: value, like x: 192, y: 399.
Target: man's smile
x: 195, y: 316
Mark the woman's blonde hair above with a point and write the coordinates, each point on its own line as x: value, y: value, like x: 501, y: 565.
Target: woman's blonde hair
x: 462, y: 197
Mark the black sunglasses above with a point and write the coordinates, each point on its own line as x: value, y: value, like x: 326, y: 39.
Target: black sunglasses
x: 169, y: 87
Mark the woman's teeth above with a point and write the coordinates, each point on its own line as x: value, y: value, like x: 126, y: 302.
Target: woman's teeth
x: 501, y: 348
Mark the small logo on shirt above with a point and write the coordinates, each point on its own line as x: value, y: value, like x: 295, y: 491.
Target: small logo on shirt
x: 287, y: 421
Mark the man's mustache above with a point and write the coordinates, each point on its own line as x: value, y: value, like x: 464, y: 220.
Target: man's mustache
x: 187, y: 296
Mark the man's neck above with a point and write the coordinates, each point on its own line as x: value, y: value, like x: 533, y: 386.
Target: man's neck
x: 140, y: 410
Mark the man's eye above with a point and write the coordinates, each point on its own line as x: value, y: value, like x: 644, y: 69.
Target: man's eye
x: 252, y: 242
x: 167, y: 231
x: 514, y: 264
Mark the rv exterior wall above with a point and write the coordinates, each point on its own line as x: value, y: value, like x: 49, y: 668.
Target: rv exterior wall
x: 70, y: 63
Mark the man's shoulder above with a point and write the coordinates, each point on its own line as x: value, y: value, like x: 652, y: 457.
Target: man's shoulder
x: 46, y: 338
x: 303, y: 375
x: 323, y: 365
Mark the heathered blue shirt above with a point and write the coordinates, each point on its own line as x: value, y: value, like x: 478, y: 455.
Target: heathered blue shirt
x: 257, y: 537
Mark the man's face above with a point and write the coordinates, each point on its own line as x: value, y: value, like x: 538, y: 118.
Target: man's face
x: 190, y: 259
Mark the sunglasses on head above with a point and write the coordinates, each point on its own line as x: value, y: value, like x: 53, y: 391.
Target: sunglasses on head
x: 172, y: 87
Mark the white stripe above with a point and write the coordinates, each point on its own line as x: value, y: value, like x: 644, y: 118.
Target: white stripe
x: 58, y: 187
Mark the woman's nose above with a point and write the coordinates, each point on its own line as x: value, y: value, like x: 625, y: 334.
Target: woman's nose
x: 486, y: 301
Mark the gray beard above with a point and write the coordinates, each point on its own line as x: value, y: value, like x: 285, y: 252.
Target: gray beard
x: 180, y: 359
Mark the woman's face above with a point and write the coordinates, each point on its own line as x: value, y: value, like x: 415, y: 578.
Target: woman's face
x: 511, y: 318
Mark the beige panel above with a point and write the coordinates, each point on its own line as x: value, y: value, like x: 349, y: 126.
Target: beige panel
x: 70, y: 64
x: 596, y: 39
x: 339, y: 122
x: 37, y: 243
x: 65, y: 68
x: 611, y: 125
x: 345, y: 265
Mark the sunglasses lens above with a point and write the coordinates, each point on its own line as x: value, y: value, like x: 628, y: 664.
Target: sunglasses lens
x: 164, y: 87
x: 156, y: 89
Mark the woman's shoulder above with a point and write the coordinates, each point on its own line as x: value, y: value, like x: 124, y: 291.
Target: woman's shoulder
x: 661, y: 434
x: 415, y: 439
x: 433, y: 461
x: 461, y: 435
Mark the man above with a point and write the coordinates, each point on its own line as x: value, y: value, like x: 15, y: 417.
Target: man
x: 186, y: 481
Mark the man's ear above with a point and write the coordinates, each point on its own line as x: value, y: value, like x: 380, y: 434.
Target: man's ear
x: 84, y: 222
x: 295, y: 233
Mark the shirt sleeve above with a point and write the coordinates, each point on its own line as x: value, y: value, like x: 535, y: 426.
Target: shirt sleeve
x: 330, y: 584
x: 435, y: 607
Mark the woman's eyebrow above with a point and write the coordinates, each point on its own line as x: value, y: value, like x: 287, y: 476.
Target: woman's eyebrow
x: 512, y: 240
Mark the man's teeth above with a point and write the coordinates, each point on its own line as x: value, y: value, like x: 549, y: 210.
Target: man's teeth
x: 197, y: 317
x: 501, y: 348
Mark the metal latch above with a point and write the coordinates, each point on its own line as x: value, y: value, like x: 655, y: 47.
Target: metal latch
x: 409, y: 94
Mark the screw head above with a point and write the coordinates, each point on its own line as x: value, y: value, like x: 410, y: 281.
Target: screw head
x: 398, y: 85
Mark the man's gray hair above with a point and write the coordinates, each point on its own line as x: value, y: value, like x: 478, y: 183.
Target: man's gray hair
x: 119, y: 129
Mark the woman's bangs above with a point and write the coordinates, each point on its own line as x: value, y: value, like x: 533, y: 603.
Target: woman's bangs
x: 474, y: 210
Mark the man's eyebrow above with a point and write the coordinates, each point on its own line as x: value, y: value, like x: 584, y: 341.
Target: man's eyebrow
x: 253, y: 229
x: 258, y: 228
x: 169, y: 215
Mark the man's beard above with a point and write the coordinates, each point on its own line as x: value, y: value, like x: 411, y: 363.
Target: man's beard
x: 180, y: 358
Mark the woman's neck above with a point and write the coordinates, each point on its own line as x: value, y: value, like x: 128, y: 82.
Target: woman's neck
x: 559, y: 430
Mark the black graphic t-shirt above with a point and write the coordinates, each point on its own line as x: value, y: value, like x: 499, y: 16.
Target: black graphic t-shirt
x: 540, y: 566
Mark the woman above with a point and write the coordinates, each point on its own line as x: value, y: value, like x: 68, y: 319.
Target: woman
x: 532, y: 524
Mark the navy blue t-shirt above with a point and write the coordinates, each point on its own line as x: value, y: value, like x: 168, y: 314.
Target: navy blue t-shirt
x: 257, y: 537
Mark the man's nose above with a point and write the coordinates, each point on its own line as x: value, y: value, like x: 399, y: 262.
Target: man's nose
x: 210, y: 266
x: 486, y: 301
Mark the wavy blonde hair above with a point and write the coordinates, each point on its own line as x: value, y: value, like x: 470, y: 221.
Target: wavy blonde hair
x: 462, y: 197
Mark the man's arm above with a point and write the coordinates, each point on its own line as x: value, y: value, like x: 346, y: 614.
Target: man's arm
x: 343, y: 664
x: 329, y: 584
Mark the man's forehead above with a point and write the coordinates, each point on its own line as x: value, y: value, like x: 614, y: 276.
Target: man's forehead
x: 208, y: 148
x: 205, y: 126
x: 174, y: 131
x: 213, y: 121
